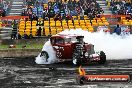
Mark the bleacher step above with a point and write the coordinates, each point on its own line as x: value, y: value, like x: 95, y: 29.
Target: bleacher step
x: 107, y: 11
x: 14, y: 13
x: 105, y: 8
x: 101, y: 1
x: 16, y: 9
x: 103, y: 5
x: 18, y: 0
x: 17, y: 3
x: 17, y: 6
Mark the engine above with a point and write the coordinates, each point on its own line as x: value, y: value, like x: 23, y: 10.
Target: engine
x: 80, y: 45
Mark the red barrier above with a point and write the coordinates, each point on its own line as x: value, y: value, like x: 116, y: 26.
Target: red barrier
x: 14, y: 17
x: 113, y: 16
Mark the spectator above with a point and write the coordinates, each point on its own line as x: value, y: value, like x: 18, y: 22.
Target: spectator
x: 23, y: 13
x: 39, y: 31
x: 29, y: 13
x: 56, y: 9
x: 75, y: 8
x: 14, y: 30
x: 35, y: 11
x: 3, y: 13
x: 100, y: 11
x: 51, y: 13
x: 63, y: 17
x: 81, y: 16
x: 120, y: 7
x: 68, y: 17
x: 57, y: 16
x: 4, y: 7
x: 117, y: 30
x: 35, y: 17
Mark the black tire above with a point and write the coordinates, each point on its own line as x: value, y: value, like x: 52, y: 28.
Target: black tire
x: 45, y: 55
x: 81, y: 80
x: 102, y: 58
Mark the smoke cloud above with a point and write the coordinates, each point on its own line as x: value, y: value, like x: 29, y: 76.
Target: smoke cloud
x: 52, y: 54
x: 114, y: 46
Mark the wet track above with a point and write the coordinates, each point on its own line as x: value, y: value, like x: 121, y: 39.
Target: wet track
x: 24, y: 73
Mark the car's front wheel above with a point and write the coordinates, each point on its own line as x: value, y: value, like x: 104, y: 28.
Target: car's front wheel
x: 45, y: 55
x: 81, y: 80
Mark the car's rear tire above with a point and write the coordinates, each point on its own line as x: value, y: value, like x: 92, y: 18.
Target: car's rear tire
x: 81, y: 80
x: 45, y: 55
x: 102, y: 58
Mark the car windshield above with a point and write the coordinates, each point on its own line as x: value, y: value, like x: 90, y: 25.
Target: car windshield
x: 67, y: 40
x: 70, y: 40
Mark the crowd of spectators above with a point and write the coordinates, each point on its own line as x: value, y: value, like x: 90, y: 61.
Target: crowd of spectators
x: 61, y: 10
x: 121, y: 7
x: 91, y: 8
x: 5, y: 6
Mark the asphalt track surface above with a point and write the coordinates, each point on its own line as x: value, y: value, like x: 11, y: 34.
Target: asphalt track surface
x: 25, y: 73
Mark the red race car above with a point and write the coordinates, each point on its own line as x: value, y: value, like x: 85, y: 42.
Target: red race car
x: 73, y: 48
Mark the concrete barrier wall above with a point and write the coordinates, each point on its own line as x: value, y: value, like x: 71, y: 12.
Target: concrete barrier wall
x: 13, y: 53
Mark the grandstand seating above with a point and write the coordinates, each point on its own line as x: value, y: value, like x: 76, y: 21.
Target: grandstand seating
x: 52, y: 27
x: 34, y: 31
x: 53, y: 30
x: 47, y: 31
x: 59, y: 29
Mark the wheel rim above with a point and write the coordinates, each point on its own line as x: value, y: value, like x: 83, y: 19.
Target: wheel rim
x: 44, y: 56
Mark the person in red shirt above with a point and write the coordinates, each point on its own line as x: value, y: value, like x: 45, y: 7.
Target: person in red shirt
x: 68, y: 17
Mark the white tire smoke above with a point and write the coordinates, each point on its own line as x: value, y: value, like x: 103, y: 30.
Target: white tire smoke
x: 52, y: 54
